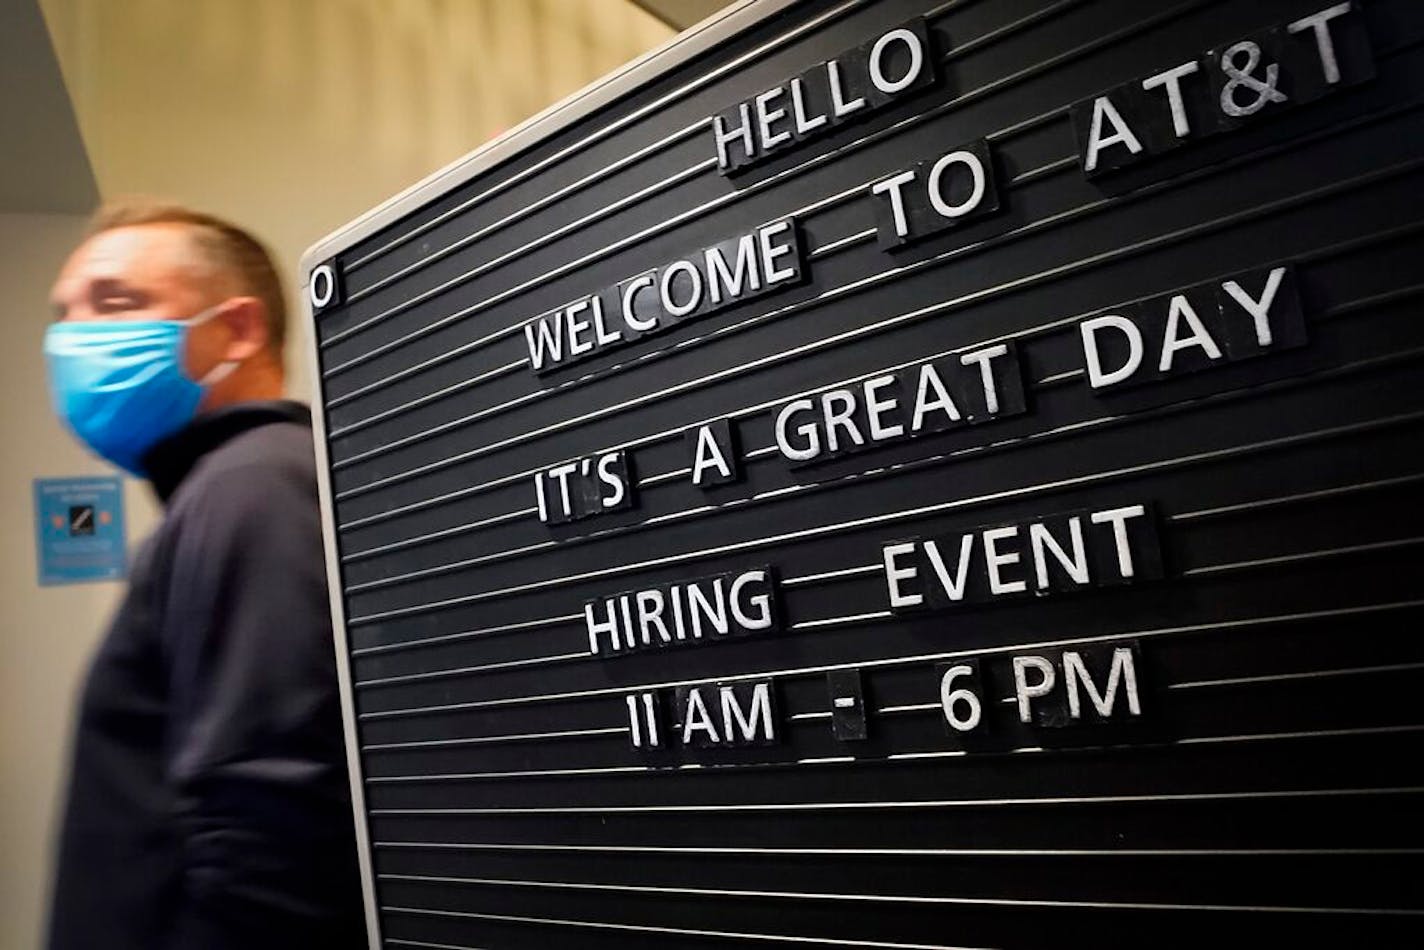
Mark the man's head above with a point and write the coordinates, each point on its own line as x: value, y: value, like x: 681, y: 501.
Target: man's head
x: 160, y: 314
x: 143, y: 261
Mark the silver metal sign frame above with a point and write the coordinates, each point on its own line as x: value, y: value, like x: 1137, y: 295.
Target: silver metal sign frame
x: 730, y: 22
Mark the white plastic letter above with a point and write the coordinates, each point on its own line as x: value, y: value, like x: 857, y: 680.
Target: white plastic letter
x: 1026, y: 692
x: 840, y: 418
x: 1089, y: 328
x: 546, y: 343
x: 739, y: 277
x: 807, y: 431
x: 1319, y: 23
x: 929, y: 380
x: 1122, y: 671
x: 996, y: 559
x: 976, y: 194
x: 665, y: 289
x: 1172, y: 81
x: 760, y: 619
x: 771, y: 250
x: 953, y: 586
x: 1043, y: 541
x: 894, y: 574
x: 892, y: 186
x: 1179, y: 310
x: 726, y: 136
x: 875, y: 408
x: 630, y: 292
x: 986, y: 372
x: 840, y: 106
x: 756, y: 723
x: 595, y: 627
x: 804, y: 123
x: 949, y: 698
x: 1260, y: 310
x: 709, y: 455
x: 766, y: 117
x: 696, y: 719
x: 1117, y: 517
x: 1121, y: 134
x: 612, y: 479
x: 917, y: 61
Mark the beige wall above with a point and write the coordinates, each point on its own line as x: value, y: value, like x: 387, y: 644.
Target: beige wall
x: 47, y: 633
x: 294, y: 116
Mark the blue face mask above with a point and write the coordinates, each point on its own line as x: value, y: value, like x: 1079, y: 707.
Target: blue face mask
x: 120, y: 384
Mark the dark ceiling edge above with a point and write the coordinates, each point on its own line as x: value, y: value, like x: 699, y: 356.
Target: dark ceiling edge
x: 653, y: 12
x: 53, y: 168
x: 681, y: 15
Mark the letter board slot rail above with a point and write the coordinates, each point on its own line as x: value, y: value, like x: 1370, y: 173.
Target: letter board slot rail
x: 897, y: 475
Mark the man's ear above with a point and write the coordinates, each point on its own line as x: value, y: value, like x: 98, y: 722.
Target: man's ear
x: 246, y: 320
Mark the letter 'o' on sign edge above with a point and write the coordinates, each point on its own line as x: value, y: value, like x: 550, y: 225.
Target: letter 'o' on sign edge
x: 324, y: 289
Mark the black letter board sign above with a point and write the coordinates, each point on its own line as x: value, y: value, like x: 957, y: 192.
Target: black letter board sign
x: 898, y: 474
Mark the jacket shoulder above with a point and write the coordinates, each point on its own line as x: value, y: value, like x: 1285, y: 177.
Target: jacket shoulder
x: 274, y: 462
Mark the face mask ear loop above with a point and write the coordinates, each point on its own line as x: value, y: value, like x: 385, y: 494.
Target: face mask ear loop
x: 224, y: 369
x: 202, y: 316
x: 218, y: 373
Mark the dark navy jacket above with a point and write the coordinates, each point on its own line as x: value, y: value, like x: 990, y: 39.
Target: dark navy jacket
x: 208, y: 803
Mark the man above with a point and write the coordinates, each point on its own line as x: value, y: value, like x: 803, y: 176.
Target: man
x: 208, y: 805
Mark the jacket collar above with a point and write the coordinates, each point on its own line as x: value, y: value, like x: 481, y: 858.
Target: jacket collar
x: 170, y: 461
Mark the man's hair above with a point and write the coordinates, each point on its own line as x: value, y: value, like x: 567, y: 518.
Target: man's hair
x: 228, y: 248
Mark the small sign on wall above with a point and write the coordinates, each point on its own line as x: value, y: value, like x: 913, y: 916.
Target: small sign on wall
x: 79, y: 529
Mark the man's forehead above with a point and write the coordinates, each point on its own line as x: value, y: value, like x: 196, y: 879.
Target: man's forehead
x: 149, y: 251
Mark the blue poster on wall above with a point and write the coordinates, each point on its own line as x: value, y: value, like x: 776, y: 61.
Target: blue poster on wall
x: 79, y: 529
